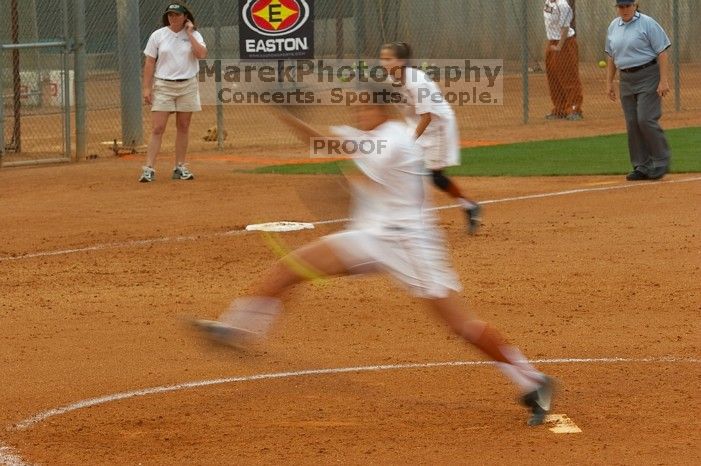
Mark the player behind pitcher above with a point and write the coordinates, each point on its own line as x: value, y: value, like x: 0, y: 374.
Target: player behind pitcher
x: 436, y: 130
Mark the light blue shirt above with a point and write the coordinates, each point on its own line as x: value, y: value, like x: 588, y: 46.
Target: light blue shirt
x: 635, y: 43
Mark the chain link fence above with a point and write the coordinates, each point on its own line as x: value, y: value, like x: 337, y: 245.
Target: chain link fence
x: 510, y: 30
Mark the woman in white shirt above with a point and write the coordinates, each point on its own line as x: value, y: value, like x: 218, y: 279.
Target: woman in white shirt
x: 170, y: 85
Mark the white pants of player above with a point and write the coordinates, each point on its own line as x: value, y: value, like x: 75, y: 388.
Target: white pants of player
x: 440, y: 144
x: 416, y: 259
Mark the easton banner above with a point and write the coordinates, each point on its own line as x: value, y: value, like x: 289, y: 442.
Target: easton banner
x: 276, y: 29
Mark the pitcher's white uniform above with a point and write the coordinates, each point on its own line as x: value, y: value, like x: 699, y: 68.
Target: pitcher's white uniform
x: 441, y: 139
x: 392, y: 229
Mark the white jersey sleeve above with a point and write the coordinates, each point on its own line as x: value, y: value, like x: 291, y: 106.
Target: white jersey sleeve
x: 423, y: 96
x: 420, y: 92
x: 198, y: 37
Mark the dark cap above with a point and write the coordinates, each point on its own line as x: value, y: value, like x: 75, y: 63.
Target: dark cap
x: 177, y: 8
x: 625, y: 2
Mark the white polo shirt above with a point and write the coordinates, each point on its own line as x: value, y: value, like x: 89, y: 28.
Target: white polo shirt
x: 173, y: 53
x: 557, y: 14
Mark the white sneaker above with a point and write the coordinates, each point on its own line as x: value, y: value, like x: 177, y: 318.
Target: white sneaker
x: 148, y: 174
x: 181, y: 172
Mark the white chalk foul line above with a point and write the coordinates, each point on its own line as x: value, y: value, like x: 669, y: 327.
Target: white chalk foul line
x: 146, y: 242
x: 122, y: 244
x: 578, y: 191
x: 8, y: 457
x: 44, y: 415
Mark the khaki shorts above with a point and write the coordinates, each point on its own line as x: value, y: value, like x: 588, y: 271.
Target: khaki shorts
x: 174, y: 96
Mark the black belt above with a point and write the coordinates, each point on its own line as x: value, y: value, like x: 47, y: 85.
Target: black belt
x: 641, y: 67
x: 175, y: 80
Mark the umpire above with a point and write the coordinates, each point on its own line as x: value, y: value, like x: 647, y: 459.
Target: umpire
x: 637, y: 46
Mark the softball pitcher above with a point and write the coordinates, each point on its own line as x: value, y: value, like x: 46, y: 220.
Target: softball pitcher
x: 393, y: 231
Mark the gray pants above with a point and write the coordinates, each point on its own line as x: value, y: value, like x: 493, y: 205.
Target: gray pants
x: 647, y: 143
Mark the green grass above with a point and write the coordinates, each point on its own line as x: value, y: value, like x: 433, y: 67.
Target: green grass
x: 326, y: 168
x: 601, y: 155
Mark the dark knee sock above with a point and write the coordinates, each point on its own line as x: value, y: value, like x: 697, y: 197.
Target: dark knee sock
x: 447, y: 185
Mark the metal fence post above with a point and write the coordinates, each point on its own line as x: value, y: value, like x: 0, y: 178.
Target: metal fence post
x: 360, y: 30
x: 524, y: 59
x: 339, y: 32
x: 218, y: 57
x: 16, y: 83
x: 676, y: 56
x: 79, y: 78
x: 2, y: 114
x: 129, y: 53
x: 66, y: 83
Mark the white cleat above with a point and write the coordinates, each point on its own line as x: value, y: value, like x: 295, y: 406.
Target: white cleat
x: 223, y: 334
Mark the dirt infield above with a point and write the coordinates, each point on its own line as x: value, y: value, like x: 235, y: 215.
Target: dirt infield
x: 96, y: 271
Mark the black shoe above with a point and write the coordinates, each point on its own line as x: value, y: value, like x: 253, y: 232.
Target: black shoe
x: 539, y: 401
x: 636, y: 175
x: 474, y: 218
x: 657, y: 173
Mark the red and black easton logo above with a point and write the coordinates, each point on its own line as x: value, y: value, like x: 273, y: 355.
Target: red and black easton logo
x: 275, y: 17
